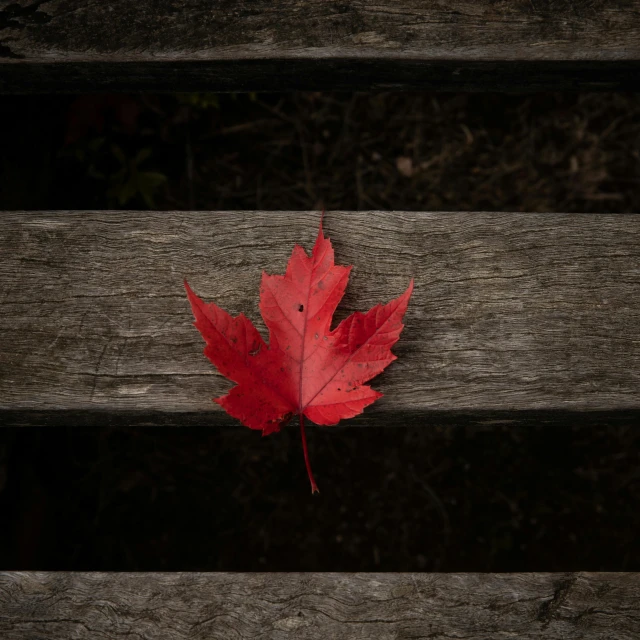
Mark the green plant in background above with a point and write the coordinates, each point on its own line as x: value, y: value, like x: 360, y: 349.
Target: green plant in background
x: 88, y: 152
x: 122, y: 176
x: 200, y: 100
x: 129, y: 182
x: 207, y: 100
x: 110, y: 138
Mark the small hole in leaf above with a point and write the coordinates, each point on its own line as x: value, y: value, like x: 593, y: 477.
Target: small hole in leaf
x: 301, y: 307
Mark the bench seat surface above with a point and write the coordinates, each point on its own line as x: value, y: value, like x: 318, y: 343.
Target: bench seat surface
x: 513, y: 317
x: 176, y: 606
x: 265, y: 45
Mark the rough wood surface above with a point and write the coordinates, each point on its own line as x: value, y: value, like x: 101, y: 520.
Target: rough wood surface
x: 72, y: 45
x: 384, y: 606
x: 513, y: 317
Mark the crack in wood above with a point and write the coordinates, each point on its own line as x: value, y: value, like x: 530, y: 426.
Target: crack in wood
x: 549, y: 609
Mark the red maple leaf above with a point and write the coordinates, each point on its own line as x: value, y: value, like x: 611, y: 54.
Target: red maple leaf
x: 306, y: 369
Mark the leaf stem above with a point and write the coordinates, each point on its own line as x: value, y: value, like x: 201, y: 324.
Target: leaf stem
x: 314, y: 486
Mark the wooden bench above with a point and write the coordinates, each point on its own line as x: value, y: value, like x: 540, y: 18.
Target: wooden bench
x: 267, y: 45
x: 516, y: 317
x: 181, y: 606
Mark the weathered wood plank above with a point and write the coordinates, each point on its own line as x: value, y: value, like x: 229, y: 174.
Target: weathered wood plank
x: 267, y: 45
x: 175, y: 606
x: 513, y: 317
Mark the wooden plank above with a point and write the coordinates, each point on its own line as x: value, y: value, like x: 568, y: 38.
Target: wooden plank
x: 172, y: 606
x: 273, y: 45
x: 514, y: 316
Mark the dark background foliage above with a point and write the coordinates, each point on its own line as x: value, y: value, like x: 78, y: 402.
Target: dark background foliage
x: 434, y: 498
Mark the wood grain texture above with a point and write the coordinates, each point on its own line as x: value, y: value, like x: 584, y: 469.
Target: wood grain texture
x: 513, y: 317
x: 384, y: 606
x: 166, y: 45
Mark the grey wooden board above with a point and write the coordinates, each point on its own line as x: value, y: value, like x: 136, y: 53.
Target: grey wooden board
x: 384, y: 606
x: 514, y: 316
x: 242, y: 45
